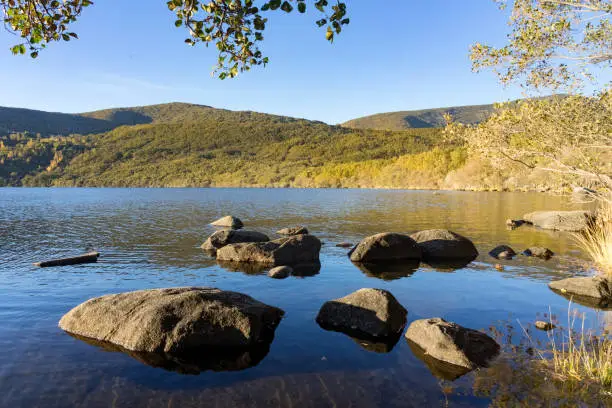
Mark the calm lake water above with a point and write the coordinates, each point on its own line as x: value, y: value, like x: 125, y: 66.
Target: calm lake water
x: 150, y: 238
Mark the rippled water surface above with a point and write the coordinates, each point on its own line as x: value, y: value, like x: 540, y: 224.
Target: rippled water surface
x: 150, y: 238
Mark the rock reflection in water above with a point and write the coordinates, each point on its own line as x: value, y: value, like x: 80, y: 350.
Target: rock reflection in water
x: 440, y: 369
x: 253, y: 268
x: 593, y: 303
x: 389, y: 271
x: 367, y: 342
x: 448, y: 265
x: 193, y: 363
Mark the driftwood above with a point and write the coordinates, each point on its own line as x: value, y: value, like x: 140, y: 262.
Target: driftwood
x: 75, y: 260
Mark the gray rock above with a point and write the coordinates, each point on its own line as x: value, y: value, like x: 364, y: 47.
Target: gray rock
x: 542, y: 325
x: 596, y: 287
x: 292, y: 250
x: 452, y: 343
x: 372, y: 313
x: 225, y: 237
x: 297, y: 230
x: 280, y: 272
x: 561, y: 220
x: 387, y: 246
x: 440, y: 244
x: 174, y: 320
x: 228, y: 222
x: 502, y: 252
x: 539, y: 252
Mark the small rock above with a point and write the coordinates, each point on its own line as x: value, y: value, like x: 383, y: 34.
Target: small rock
x: 366, y: 312
x: 280, y: 272
x: 452, y: 343
x: 499, y: 267
x: 539, y: 252
x: 228, y: 222
x: 298, y: 230
x: 502, y: 252
x: 387, y: 246
x: 544, y: 325
x: 344, y: 245
x: 225, y: 237
x: 514, y: 223
x: 440, y: 244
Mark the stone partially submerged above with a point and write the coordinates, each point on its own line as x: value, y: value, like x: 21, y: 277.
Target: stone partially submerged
x: 502, y: 252
x: 365, y: 314
x: 384, y: 247
x: 297, y: 249
x: 174, y: 320
x: 219, y: 239
x: 561, y: 220
x: 441, y: 244
x: 596, y: 290
x: 539, y: 252
x: 297, y: 230
x: 228, y: 221
x: 452, y: 343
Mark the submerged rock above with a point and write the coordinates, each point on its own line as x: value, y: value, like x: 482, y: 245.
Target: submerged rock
x: 502, y: 252
x: 539, y: 252
x: 597, y: 288
x: 228, y: 222
x: 292, y: 250
x: 387, y: 246
x: 561, y: 220
x: 280, y: 272
x: 364, y: 314
x: 225, y: 237
x: 344, y: 245
x: 514, y: 223
x: 452, y: 343
x: 440, y: 244
x: 194, y: 362
x: 174, y: 320
x: 297, y: 230
x: 389, y: 270
x: 542, y: 325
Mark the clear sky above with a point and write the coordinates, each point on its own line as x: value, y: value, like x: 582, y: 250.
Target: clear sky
x: 394, y: 55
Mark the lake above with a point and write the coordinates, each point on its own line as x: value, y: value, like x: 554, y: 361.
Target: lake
x: 150, y: 238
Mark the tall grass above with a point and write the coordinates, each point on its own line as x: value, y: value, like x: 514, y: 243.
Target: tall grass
x: 580, y: 355
x: 596, y: 241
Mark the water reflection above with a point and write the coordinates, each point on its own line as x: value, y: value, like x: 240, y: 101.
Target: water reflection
x: 449, y: 265
x: 193, y: 363
x: 254, y: 268
x: 440, y: 369
x: 389, y: 271
x: 593, y: 303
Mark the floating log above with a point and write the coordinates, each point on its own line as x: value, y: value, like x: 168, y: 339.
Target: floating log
x: 75, y: 260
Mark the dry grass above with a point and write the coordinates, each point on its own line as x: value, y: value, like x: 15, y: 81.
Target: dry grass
x: 597, y: 240
x: 581, y: 356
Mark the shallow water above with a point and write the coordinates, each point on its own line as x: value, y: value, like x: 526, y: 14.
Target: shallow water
x: 150, y: 238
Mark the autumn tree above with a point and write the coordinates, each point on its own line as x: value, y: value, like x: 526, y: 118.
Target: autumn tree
x: 234, y: 27
x: 552, y: 43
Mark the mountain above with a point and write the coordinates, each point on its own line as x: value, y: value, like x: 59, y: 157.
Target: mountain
x: 426, y: 118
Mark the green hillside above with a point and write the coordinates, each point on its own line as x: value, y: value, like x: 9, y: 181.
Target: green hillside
x: 425, y: 118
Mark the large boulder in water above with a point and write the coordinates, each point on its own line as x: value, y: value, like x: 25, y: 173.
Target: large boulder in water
x: 292, y: 250
x: 441, y: 244
x: 452, y: 343
x: 561, y: 220
x: 597, y: 288
x: 366, y: 313
x: 387, y: 246
x: 225, y: 237
x: 228, y: 222
x: 174, y: 320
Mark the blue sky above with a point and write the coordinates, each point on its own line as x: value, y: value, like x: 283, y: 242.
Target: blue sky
x: 396, y: 55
